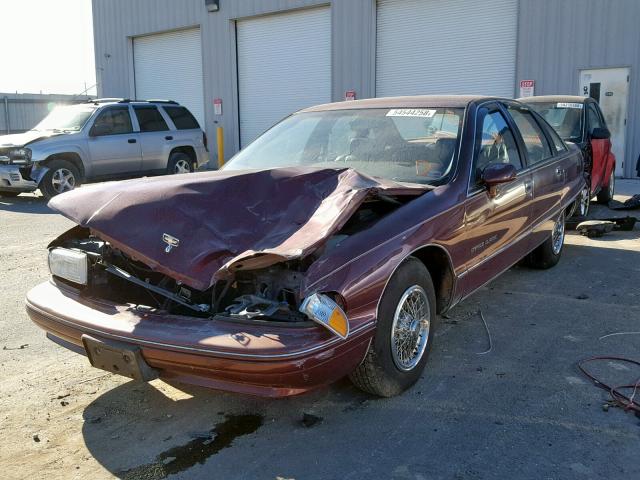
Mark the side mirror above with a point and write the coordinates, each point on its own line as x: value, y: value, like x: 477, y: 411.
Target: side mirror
x: 99, y: 130
x: 496, y: 174
x: 600, y: 134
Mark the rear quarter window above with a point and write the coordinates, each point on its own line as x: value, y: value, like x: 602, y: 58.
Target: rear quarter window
x: 182, y: 118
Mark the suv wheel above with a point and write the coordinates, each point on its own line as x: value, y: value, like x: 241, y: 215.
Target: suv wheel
x: 62, y: 176
x: 179, y: 163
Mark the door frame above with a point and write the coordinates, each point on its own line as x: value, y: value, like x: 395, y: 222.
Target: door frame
x: 626, y: 149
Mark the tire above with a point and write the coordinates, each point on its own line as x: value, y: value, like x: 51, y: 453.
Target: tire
x: 9, y: 194
x: 61, y: 177
x: 549, y: 253
x: 607, y: 193
x: 583, y: 203
x: 179, y: 163
x: 383, y: 372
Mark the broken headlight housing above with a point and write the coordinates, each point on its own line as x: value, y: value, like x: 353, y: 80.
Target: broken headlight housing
x: 324, y: 311
x: 20, y: 155
x: 71, y: 265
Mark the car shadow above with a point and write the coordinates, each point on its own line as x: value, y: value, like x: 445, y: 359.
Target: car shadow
x: 26, y: 203
x: 152, y: 430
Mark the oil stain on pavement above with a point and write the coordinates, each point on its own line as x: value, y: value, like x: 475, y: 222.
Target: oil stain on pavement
x: 178, y: 459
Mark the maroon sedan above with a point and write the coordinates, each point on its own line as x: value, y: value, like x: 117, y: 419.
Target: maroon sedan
x: 325, y: 248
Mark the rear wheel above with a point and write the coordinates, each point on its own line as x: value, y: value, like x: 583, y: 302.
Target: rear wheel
x: 548, y: 254
x: 398, y: 353
x: 179, y: 163
x: 61, y: 177
x: 606, y: 194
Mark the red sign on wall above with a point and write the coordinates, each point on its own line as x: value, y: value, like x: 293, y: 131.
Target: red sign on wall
x: 527, y: 88
x: 217, y: 106
x: 350, y: 95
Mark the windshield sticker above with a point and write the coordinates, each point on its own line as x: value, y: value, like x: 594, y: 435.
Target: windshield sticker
x: 411, y: 112
x: 569, y: 105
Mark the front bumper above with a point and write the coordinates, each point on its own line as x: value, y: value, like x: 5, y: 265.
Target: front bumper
x: 225, y: 355
x: 12, y: 180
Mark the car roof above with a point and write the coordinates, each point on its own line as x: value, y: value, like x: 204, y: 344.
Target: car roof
x: 415, y: 101
x: 554, y: 98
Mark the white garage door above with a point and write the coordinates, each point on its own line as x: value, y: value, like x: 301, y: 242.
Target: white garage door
x: 446, y: 46
x: 169, y: 66
x: 284, y: 64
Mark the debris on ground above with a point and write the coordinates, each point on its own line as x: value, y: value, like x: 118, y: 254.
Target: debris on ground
x: 629, y: 204
x: 64, y: 403
x: 309, y: 420
x: 595, y: 228
x: 624, y: 224
x: 21, y: 347
x: 486, y: 327
x: 618, y: 398
x: 36, y: 438
x: 582, y: 296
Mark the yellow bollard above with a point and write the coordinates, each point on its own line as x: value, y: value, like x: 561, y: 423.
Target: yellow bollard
x: 220, y: 139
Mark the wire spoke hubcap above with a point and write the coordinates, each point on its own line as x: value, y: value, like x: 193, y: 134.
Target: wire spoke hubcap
x: 410, y: 329
x: 63, y: 180
x: 612, y: 186
x: 584, y: 201
x: 557, y: 236
x: 182, y: 166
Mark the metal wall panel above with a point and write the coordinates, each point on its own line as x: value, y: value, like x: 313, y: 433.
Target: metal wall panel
x: 117, y: 21
x: 557, y: 39
x: 25, y: 110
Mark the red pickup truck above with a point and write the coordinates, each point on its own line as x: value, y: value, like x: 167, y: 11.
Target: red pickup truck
x: 580, y: 120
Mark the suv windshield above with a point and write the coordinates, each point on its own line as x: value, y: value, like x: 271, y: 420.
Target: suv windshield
x: 565, y: 118
x: 68, y: 118
x: 416, y: 145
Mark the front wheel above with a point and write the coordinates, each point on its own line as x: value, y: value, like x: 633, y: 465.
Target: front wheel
x: 61, y: 177
x: 179, y: 163
x: 406, y: 315
x: 548, y: 254
x: 606, y: 194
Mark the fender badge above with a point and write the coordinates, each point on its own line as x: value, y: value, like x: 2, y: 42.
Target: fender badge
x: 171, y: 242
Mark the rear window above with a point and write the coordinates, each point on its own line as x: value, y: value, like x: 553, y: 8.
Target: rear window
x: 150, y: 119
x: 182, y: 118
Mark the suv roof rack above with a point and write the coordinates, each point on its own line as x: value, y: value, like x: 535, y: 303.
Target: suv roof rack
x: 152, y: 100
x: 104, y: 100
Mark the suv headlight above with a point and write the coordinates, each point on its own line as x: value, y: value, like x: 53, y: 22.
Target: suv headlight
x: 20, y: 155
x: 71, y: 265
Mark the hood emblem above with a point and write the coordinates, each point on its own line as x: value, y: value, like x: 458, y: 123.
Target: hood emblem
x: 171, y: 242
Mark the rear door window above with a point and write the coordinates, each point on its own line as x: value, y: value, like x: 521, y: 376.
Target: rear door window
x: 593, y: 118
x: 535, y: 142
x: 150, y: 119
x: 182, y: 118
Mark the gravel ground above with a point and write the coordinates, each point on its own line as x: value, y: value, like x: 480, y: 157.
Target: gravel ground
x: 522, y: 410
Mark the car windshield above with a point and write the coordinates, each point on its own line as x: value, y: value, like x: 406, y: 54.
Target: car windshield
x: 415, y: 145
x: 564, y: 117
x: 66, y: 119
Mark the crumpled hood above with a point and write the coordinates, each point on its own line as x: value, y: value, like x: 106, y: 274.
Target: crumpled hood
x: 22, y: 139
x: 223, y: 220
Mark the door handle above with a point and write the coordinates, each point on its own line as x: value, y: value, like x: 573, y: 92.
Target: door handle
x: 132, y: 140
x: 559, y: 172
x: 528, y: 186
x: 168, y: 137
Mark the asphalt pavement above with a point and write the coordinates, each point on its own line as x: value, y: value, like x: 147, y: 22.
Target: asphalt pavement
x: 523, y: 410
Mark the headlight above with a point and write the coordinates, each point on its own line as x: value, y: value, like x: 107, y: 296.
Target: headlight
x: 19, y: 154
x: 69, y: 264
x: 321, y: 309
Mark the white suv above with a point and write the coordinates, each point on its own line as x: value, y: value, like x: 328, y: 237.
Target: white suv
x: 98, y: 140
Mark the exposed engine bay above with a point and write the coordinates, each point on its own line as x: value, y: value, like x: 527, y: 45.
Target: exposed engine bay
x: 269, y: 294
